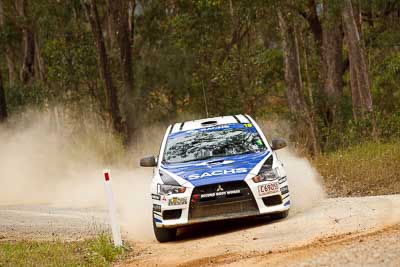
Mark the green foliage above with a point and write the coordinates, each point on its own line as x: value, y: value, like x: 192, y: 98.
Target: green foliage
x: 377, y: 127
x: 103, y: 246
x: 9, y: 34
x: 71, y: 64
x: 229, y: 50
x: 20, y: 97
x: 97, y: 252
x: 389, y: 126
x: 386, y: 85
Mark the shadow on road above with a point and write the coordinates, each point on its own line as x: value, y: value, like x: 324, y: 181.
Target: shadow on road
x: 198, y: 231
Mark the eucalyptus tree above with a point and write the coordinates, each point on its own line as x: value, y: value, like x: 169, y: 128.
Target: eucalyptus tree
x: 3, y: 104
x: 359, y: 74
x: 111, y: 93
x: 293, y: 81
x: 119, y: 11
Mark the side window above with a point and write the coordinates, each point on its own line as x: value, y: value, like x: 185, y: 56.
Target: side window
x: 163, y: 144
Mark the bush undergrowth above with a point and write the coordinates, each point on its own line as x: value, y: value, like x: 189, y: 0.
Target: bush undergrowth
x: 369, y: 168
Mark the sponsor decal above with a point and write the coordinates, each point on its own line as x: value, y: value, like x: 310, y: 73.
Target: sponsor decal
x: 155, y: 196
x: 209, y: 129
x: 217, y: 173
x: 157, y: 207
x: 284, y: 190
x: 177, y: 201
x: 225, y: 162
x: 282, y: 180
x: 249, y: 126
x: 218, y: 194
x: 268, y: 189
x: 191, y: 172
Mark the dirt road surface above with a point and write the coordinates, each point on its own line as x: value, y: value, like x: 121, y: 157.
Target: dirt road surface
x: 50, y: 223
x: 343, y: 231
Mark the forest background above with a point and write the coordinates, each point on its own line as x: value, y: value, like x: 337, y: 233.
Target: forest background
x: 324, y: 74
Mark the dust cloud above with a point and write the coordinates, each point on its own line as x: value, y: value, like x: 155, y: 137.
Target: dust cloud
x: 43, y: 162
x: 304, y: 181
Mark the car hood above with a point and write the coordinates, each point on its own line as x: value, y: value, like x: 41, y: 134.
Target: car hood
x: 217, y: 170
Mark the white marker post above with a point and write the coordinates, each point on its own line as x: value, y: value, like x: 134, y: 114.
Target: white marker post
x: 116, y: 232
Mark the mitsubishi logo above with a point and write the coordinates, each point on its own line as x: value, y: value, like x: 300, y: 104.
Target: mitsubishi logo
x: 220, y: 188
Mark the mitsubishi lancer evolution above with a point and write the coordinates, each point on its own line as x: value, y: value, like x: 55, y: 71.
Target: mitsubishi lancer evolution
x: 215, y: 169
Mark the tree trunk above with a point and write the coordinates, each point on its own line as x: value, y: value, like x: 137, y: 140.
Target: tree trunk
x: 332, y: 46
x: 296, y: 101
x: 314, y: 22
x: 39, y: 64
x: 3, y: 107
x: 329, y: 42
x: 28, y: 44
x: 359, y: 78
x: 110, y: 32
x: 111, y: 94
x: 306, y: 59
x: 119, y: 11
x: 10, y: 66
x: 8, y: 52
x: 131, y: 20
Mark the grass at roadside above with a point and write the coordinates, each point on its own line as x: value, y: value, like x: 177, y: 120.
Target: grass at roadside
x: 94, y: 252
x: 366, y: 169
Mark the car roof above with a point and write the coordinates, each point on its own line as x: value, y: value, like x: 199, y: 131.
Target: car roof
x: 207, y: 122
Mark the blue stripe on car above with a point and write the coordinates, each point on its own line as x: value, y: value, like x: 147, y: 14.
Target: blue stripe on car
x: 231, y: 168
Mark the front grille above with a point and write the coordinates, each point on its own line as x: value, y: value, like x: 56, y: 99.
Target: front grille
x: 224, y: 199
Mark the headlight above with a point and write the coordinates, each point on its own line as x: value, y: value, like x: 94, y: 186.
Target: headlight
x: 164, y: 189
x: 268, y: 175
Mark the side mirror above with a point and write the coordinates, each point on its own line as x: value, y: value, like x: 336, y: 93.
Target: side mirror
x: 278, y: 143
x: 148, y: 162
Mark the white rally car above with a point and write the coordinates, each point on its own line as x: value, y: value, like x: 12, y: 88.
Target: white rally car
x: 215, y: 169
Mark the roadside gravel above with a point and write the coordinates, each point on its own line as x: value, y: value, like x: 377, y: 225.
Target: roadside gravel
x: 362, y: 231
x: 381, y: 249
x: 43, y: 222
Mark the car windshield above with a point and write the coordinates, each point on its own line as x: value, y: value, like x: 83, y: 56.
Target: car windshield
x: 212, y: 142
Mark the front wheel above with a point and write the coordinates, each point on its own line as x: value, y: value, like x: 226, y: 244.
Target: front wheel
x: 280, y: 215
x: 164, y: 234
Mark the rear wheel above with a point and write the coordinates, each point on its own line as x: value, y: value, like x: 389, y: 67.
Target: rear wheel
x: 280, y: 215
x: 164, y: 234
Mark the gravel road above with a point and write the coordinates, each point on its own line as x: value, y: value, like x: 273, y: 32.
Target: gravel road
x: 377, y: 248
x: 360, y: 231
x: 381, y: 248
x: 50, y: 222
x: 261, y: 242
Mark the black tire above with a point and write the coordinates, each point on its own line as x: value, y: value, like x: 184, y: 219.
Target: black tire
x: 164, y: 234
x: 280, y: 215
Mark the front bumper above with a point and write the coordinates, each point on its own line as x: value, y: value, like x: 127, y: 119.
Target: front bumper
x: 185, y: 209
